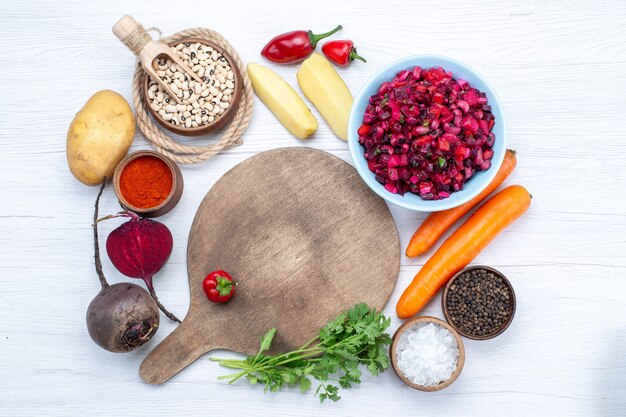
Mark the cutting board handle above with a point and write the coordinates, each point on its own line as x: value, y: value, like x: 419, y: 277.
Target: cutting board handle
x: 174, y: 353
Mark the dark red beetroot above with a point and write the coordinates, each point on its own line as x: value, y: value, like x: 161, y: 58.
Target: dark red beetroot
x: 139, y: 248
x: 427, y: 133
x: 122, y: 316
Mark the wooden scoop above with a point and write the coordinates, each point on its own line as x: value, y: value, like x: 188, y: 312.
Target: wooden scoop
x: 135, y: 37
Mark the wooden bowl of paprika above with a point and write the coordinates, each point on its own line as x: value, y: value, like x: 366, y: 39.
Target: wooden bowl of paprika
x: 148, y: 183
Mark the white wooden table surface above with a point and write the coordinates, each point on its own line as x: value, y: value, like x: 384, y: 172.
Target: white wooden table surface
x: 559, y: 68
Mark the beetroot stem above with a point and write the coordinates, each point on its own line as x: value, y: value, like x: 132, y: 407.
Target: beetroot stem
x: 103, y: 280
x: 161, y: 306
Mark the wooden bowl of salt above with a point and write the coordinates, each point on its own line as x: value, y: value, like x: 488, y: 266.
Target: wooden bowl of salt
x: 395, y: 349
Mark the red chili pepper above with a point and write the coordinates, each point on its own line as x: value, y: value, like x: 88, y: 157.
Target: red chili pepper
x: 219, y: 286
x: 293, y: 46
x: 341, y: 52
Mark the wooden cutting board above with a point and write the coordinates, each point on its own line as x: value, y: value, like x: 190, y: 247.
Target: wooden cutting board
x: 304, y: 238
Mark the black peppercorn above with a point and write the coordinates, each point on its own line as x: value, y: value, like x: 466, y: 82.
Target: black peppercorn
x: 479, y: 303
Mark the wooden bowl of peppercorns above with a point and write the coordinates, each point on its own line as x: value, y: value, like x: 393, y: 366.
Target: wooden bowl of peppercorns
x: 479, y: 302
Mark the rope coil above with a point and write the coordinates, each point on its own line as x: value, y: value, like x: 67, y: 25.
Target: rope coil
x: 163, y: 143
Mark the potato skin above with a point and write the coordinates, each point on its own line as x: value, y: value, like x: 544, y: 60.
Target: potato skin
x: 99, y: 137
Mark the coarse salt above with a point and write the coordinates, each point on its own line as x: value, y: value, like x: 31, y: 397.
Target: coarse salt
x: 427, y: 354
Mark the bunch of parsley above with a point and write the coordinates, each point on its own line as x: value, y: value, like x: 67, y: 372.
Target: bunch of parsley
x: 355, y: 337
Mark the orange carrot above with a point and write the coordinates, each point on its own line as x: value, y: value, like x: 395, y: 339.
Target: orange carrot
x: 436, y: 224
x: 463, y: 246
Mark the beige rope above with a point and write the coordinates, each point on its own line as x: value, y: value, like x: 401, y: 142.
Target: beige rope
x: 137, y: 39
x: 164, y: 144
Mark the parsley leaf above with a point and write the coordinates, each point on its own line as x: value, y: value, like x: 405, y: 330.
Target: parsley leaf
x: 353, y: 339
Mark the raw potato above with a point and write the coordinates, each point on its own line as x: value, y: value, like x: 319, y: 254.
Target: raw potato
x: 283, y: 101
x: 321, y: 84
x: 99, y: 137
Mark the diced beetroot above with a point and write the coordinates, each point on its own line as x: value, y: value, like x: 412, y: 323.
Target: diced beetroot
x: 478, y: 159
x: 471, y: 97
x: 469, y: 124
x: 364, y: 129
x: 484, y: 125
x: 427, y: 133
x: 423, y: 140
x: 391, y: 188
x: 462, y: 151
x: 446, y: 115
x: 398, y: 161
x: 443, y: 144
x: 450, y: 138
x: 436, y: 110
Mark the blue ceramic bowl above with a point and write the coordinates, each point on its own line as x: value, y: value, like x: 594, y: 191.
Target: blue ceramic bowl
x: 477, y: 182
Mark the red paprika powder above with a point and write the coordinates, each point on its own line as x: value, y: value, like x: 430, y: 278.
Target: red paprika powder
x: 146, y: 182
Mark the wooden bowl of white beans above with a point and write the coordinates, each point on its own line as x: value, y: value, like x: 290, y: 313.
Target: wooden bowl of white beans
x: 204, y: 106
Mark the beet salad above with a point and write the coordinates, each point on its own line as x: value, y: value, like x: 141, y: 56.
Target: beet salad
x: 427, y: 133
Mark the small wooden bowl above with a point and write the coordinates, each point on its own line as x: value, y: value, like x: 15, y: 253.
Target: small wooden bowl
x: 444, y: 302
x: 218, y: 122
x: 394, y: 356
x: 172, y: 199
